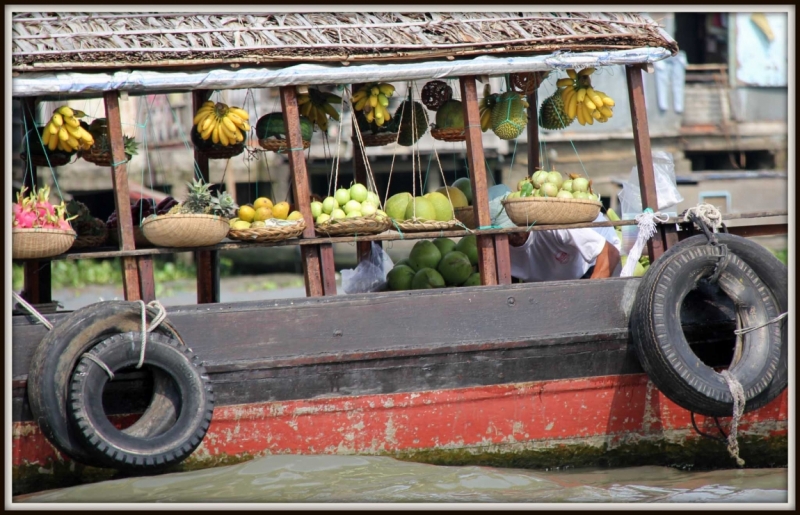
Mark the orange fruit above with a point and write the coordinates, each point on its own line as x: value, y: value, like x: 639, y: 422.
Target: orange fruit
x: 247, y: 213
x: 262, y: 202
x: 280, y: 210
x: 262, y: 213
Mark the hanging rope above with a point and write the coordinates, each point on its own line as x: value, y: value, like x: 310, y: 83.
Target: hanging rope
x: 33, y: 311
x: 748, y: 329
x: 738, y: 410
x: 708, y: 213
x: 647, y: 228
x: 160, y: 316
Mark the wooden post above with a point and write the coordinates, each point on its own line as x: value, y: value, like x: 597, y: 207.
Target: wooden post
x: 312, y: 263
x: 36, y: 274
x: 206, y: 261
x: 533, y: 133
x: 644, y: 155
x: 122, y: 200
x: 477, y: 166
x: 147, y: 283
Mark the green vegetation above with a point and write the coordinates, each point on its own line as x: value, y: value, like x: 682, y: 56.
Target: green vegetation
x: 783, y: 255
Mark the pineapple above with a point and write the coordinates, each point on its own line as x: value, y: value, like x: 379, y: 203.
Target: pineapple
x: 223, y: 205
x: 99, y: 130
x: 200, y: 201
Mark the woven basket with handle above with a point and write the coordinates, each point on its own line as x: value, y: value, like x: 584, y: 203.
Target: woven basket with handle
x: 449, y: 134
x: 40, y: 243
x: 99, y: 157
x: 550, y: 210
x: 185, y: 230
x: 379, y: 140
x: 278, y: 145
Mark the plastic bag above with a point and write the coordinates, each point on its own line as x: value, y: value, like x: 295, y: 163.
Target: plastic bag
x: 497, y: 211
x: 370, y: 274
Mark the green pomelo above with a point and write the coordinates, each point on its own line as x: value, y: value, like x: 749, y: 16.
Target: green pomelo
x: 457, y: 196
x: 469, y: 246
x: 400, y: 277
x: 396, y: 206
x: 427, y: 278
x: 474, y: 280
x: 421, y: 208
x: 424, y: 254
x: 405, y: 262
x: 638, y: 270
x: 442, y: 206
x: 450, y: 115
x: 465, y: 186
x: 444, y: 245
x: 455, y: 268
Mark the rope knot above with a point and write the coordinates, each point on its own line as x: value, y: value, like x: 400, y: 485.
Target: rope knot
x: 646, y: 222
x: 737, y: 392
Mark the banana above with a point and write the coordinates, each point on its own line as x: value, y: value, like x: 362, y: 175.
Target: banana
x: 375, y: 91
x: 241, y: 113
x: 370, y: 116
x: 73, y: 142
x: 205, y: 123
x: 74, y: 131
x: 201, y: 115
x: 606, y: 112
x: 588, y: 115
x: 386, y: 88
x: 71, y: 121
x: 589, y: 104
x: 58, y: 120
x: 302, y: 99
x: 331, y: 111
x: 567, y: 96
x: 51, y: 128
x: 572, y: 107
x: 566, y: 81
x: 53, y: 143
x: 229, y: 125
x: 46, y: 138
x: 595, y: 97
x: 596, y: 114
x: 361, y: 103
x: 373, y: 100
x: 305, y: 109
x: 78, y: 114
x: 333, y: 99
x: 607, y: 100
x: 486, y: 120
x: 238, y: 122
x: 210, y: 129
x: 579, y: 113
x: 586, y: 71
x: 572, y: 74
x: 223, y: 138
x: 214, y: 132
x: 63, y: 135
x: 359, y: 95
x: 384, y: 101
x: 66, y: 111
x: 581, y: 94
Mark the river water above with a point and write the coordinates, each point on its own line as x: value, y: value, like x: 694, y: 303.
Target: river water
x: 357, y: 479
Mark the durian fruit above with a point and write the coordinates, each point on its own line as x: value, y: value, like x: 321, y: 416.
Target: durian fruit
x: 406, y: 136
x: 553, y: 114
x: 509, y: 116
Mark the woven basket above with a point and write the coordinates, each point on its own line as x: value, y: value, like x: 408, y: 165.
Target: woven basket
x: 354, y: 226
x: 425, y: 225
x: 549, y: 210
x: 378, y: 140
x: 85, y: 242
x: 466, y: 215
x: 100, y: 157
x: 449, y: 134
x: 278, y: 145
x: 138, y: 237
x: 185, y: 230
x: 268, y: 234
x: 56, y: 158
x: 40, y: 243
x: 222, y: 152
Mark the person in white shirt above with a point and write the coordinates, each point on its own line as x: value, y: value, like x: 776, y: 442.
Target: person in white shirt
x: 558, y: 255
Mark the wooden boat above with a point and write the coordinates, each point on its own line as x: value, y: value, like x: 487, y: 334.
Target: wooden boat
x: 521, y: 375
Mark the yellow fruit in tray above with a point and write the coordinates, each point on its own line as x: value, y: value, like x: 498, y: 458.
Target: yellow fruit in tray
x: 257, y: 224
x: 262, y: 213
x: 295, y: 215
x: 240, y: 225
x: 262, y: 202
x: 247, y: 213
x: 233, y: 221
x: 281, y: 210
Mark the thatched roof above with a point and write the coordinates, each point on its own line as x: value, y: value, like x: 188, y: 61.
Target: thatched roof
x: 117, y: 40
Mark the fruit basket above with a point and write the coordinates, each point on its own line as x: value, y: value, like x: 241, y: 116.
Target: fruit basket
x: 466, y: 215
x: 40, y: 243
x: 216, y: 150
x: 40, y: 155
x: 378, y: 140
x: 452, y: 135
x: 425, y: 225
x: 185, y: 230
x: 550, y: 210
x: 276, y: 230
x: 354, y: 226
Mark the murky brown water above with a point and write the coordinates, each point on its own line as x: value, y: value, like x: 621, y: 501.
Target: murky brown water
x: 350, y: 479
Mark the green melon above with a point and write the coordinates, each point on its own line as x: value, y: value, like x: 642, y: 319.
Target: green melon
x: 400, y: 277
x: 455, y: 268
x: 396, y: 206
x: 444, y: 245
x: 474, y: 280
x: 424, y: 254
x: 442, y: 206
x: 469, y: 246
x: 427, y: 278
x: 450, y: 115
x: 421, y: 208
x: 457, y: 197
x: 465, y: 185
x: 272, y: 125
x: 404, y: 262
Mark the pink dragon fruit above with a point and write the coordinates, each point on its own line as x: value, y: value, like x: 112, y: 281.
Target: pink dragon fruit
x: 34, y: 211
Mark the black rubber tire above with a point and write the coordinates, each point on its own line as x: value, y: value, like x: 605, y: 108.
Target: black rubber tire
x: 775, y: 277
x: 55, y: 358
x: 662, y: 347
x: 114, y: 448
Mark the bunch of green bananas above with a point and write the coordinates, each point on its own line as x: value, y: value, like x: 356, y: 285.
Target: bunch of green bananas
x: 316, y: 106
x: 583, y: 101
x: 64, y: 131
x: 373, y: 99
x: 221, y: 123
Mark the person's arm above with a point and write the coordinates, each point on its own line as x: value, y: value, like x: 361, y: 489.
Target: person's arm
x: 606, y: 262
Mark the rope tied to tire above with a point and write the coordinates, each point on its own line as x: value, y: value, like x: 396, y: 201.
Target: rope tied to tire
x: 768, y: 322
x: 737, y: 392
x: 646, y: 222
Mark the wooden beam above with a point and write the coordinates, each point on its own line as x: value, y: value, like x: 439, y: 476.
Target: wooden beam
x: 328, y: 272
x: 122, y: 199
x: 480, y: 189
x: 644, y: 155
x: 533, y: 133
x: 300, y: 188
x: 147, y: 283
x: 503, y: 259
x: 206, y: 261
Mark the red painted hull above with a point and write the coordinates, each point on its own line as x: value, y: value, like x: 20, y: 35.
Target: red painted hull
x: 597, y: 411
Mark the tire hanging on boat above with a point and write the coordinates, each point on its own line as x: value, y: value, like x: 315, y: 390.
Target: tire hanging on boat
x: 114, y: 448
x: 59, y: 351
x: 662, y: 347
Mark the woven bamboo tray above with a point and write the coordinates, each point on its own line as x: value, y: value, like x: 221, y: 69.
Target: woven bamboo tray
x: 85, y: 242
x: 57, y: 158
x: 550, y: 210
x: 449, y: 134
x: 222, y: 152
x: 354, y: 226
x: 278, y: 145
x: 425, y: 225
x: 378, y: 140
x: 185, y: 230
x: 269, y: 234
x: 99, y: 157
x: 40, y: 243
x: 466, y: 215
x: 138, y: 237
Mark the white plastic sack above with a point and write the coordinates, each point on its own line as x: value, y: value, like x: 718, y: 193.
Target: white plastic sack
x: 370, y: 274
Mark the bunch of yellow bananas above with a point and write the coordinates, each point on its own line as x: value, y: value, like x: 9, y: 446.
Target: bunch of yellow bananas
x: 64, y: 131
x: 316, y: 106
x: 373, y: 100
x: 221, y: 123
x: 583, y: 101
